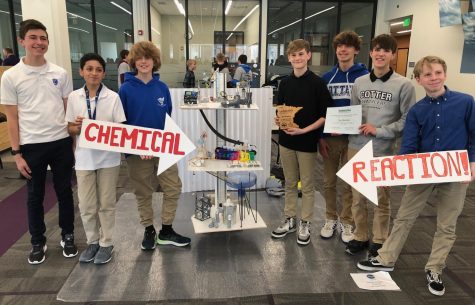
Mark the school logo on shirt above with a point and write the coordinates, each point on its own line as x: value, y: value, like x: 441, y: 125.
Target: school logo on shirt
x: 55, y: 81
x: 161, y: 101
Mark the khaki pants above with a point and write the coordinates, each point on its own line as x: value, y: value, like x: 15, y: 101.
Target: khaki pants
x: 143, y: 176
x: 337, y: 155
x: 297, y: 164
x: 381, y: 213
x: 97, y: 200
x: 451, y: 201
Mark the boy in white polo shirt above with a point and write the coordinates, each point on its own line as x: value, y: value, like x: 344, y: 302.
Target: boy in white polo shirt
x: 97, y: 171
x: 35, y: 94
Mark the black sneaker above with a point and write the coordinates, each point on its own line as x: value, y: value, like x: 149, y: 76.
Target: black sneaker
x: 148, y: 242
x: 373, y: 249
x: 37, y: 254
x: 69, y: 248
x: 373, y: 264
x: 173, y: 238
x: 354, y: 246
x: 434, y: 283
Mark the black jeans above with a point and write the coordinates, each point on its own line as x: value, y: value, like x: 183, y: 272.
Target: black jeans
x: 59, y: 156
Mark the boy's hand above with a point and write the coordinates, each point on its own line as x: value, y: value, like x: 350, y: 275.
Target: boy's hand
x: 368, y: 130
x: 146, y: 157
x: 294, y: 131
x: 472, y: 170
x: 22, y: 166
x: 77, y: 125
x: 323, y: 148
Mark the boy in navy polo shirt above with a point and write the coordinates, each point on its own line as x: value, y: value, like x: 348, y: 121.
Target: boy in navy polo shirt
x: 443, y: 120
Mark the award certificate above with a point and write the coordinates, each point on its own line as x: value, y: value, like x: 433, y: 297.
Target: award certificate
x: 343, y: 120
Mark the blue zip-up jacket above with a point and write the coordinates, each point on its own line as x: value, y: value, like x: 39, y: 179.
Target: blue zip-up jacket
x: 340, y: 84
x: 145, y: 105
x: 440, y: 124
x: 240, y: 71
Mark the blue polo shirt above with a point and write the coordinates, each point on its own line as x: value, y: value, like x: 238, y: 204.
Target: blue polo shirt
x: 440, y: 124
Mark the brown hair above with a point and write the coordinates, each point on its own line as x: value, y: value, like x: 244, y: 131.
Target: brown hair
x: 427, y: 60
x: 297, y: 45
x: 145, y: 49
x: 31, y: 24
x: 384, y: 41
x: 348, y: 38
x: 220, y: 57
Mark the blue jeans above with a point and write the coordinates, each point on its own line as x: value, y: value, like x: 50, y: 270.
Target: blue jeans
x: 59, y: 156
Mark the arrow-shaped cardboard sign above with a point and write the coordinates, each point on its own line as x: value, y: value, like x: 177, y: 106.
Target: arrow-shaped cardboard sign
x: 365, y: 173
x: 170, y: 144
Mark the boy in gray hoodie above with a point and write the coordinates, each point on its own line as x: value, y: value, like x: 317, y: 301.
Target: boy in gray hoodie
x: 385, y: 97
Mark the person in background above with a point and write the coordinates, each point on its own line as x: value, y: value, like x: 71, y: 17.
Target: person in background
x: 243, y: 71
x: 299, y: 146
x: 35, y: 94
x: 334, y: 148
x: 147, y: 101
x: 123, y: 67
x: 222, y: 66
x: 9, y: 59
x: 443, y: 120
x: 189, y: 81
x: 97, y: 171
x: 385, y: 98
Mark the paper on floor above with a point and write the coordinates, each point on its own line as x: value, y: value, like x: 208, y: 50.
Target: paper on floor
x: 380, y: 280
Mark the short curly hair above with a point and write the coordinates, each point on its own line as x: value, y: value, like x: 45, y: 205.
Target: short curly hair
x: 348, y: 38
x: 145, y: 49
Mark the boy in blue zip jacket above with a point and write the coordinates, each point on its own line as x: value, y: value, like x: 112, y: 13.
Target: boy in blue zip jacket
x: 146, y: 101
x: 443, y: 120
x: 334, y: 148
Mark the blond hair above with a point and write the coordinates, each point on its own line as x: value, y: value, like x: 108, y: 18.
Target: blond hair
x: 190, y: 61
x: 220, y: 57
x: 427, y: 60
x: 297, y: 45
x: 145, y: 49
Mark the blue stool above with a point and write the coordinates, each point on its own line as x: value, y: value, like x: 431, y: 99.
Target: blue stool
x: 242, y: 181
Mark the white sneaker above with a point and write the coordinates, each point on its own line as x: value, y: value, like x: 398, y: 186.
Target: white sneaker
x: 346, y: 232
x: 304, y: 233
x: 289, y: 225
x: 328, y: 229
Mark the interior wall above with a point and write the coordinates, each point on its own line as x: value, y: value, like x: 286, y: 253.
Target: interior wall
x: 428, y: 38
x: 251, y: 31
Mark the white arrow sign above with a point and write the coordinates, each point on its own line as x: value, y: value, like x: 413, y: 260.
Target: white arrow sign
x: 170, y: 144
x: 365, y: 173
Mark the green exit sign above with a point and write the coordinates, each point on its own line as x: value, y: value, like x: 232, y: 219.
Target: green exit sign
x: 406, y: 22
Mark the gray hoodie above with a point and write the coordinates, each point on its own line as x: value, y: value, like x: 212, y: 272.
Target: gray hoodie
x: 385, y: 105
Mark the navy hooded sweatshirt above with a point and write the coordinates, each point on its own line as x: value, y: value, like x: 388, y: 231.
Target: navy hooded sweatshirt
x: 145, y: 105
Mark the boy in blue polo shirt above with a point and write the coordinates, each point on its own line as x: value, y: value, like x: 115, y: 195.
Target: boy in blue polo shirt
x: 443, y: 120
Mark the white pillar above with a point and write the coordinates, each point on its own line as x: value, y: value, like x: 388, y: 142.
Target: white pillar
x: 52, y: 13
x: 263, y: 34
x: 140, y: 17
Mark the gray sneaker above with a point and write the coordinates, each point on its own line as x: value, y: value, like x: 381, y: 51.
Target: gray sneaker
x: 289, y: 225
x: 89, y: 254
x: 304, y: 233
x: 104, y: 255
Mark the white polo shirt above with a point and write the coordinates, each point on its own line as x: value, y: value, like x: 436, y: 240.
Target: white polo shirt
x: 38, y: 92
x: 109, y: 108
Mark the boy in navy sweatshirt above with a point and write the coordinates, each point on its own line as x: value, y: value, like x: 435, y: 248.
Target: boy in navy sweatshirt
x: 334, y: 148
x: 443, y: 120
x: 146, y: 102
x: 299, y: 146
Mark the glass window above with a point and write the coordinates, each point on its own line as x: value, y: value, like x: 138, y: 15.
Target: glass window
x: 206, y: 18
x: 167, y: 18
x: 81, y: 39
x: 242, y: 34
x: 319, y: 29
x: 114, y: 28
x: 17, y: 14
x: 358, y: 17
x: 6, y: 37
x: 283, y: 25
